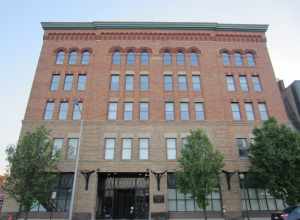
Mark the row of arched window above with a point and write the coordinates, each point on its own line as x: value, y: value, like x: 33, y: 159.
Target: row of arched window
x: 73, y: 57
x: 239, y: 58
x: 144, y: 56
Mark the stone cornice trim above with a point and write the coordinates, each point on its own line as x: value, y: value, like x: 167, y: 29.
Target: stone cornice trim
x: 181, y: 36
x: 153, y: 25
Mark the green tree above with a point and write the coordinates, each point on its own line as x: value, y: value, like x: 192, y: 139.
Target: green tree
x: 200, y: 165
x: 31, y: 165
x: 275, y: 159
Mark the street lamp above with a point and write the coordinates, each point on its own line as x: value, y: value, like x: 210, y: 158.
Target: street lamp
x: 242, y: 178
x: 77, y: 103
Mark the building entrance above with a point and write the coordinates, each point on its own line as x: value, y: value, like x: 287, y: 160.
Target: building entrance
x: 123, y: 196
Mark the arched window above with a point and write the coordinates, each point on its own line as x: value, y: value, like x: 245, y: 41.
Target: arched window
x: 180, y: 58
x: 194, y: 59
x: 73, y: 57
x: 85, y: 58
x: 226, y: 59
x: 130, y: 57
x: 238, y: 59
x: 144, y: 57
x: 250, y: 59
x: 116, y: 57
x: 167, y: 57
x: 60, y: 57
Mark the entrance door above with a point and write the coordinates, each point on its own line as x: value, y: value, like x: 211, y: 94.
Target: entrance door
x: 123, y: 201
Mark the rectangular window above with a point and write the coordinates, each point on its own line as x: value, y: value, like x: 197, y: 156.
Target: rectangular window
x: 114, y: 84
x: 144, y: 82
x: 49, y: 109
x: 81, y: 82
x: 77, y: 110
x: 243, y: 83
x: 182, y: 82
x: 72, y: 148
x: 112, y: 111
x: 196, y: 83
x: 184, y: 111
x: 263, y: 111
x: 178, y: 201
x: 63, y: 111
x: 126, y: 148
x: 256, y: 84
x: 243, y: 147
x: 129, y: 82
x: 168, y: 82
x: 171, y: 148
x: 235, y: 109
x: 144, y: 111
x: 128, y: 111
x: 109, y: 148
x: 57, y: 146
x: 230, y: 83
x: 144, y: 148
x: 249, y: 111
x: 199, y: 111
x: 55, y: 82
x: 169, y: 111
x: 68, y: 82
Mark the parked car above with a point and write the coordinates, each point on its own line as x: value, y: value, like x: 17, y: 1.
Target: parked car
x: 290, y: 213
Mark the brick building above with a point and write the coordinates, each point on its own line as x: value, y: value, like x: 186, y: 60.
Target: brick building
x: 142, y: 86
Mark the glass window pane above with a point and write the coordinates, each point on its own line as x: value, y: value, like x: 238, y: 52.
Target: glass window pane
x: 112, y: 111
x: 194, y: 59
x: 190, y: 205
x: 254, y: 204
x: 167, y: 58
x: 77, y: 109
x: 73, y: 57
x: 116, y: 57
x: 63, y: 111
x: 127, y: 145
x: 68, y: 82
x: 85, y: 57
x: 114, y: 85
x: 243, y: 148
x: 168, y: 83
x: 171, y: 193
x: 230, y: 83
x: 171, y: 148
x: 55, y: 82
x: 263, y: 111
x: 129, y: 82
x: 199, y: 111
x: 180, y: 58
x: 249, y: 111
x: 57, y: 145
x: 172, y: 205
x: 250, y: 59
x: 144, y: 82
x: 144, y: 111
x: 130, y: 58
x: 48, y: 114
x: 109, y: 148
x: 128, y: 111
x: 60, y: 57
x: 243, y: 83
x: 184, y: 111
x: 216, y: 205
x: 169, y: 111
x: 144, y: 148
x: 256, y: 84
x: 81, y: 82
x: 226, y: 59
x: 236, y: 115
x: 72, y: 148
x: 238, y: 59
x: 144, y: 58
x: 196, y: 83
x: 182, y: 82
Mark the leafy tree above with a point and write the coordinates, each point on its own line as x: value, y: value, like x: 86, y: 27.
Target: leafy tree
x: 200, y: 167
x: 275, y: 159
x: 31, y: 164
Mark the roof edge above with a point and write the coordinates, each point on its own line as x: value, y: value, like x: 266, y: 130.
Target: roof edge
x: 154, y: 25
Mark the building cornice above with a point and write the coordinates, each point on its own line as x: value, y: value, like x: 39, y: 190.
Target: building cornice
x: 101, y: 25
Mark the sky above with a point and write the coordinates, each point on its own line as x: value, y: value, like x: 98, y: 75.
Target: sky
x: 21, y: 38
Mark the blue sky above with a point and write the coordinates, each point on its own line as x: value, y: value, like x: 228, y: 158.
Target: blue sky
x: 21, y: 37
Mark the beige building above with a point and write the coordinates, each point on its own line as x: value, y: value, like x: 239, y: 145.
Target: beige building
x: 140, y: 88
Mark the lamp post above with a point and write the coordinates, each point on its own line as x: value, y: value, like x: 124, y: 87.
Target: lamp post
x: 242, y: 177
x: 76, y: 103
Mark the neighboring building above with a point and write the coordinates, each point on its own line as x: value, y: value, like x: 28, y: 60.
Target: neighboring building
x: 291, y: 100
x: 142, y: 87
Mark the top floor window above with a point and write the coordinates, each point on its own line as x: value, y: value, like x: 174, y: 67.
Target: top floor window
x: 194, y: 59
x: 167, y: 58
x: 60, y: 57
x: 180, y: 58
x: 73, y: 57
x: 144, y: 58
x: 130, y: 57
x: 116, y: 57
x: 238, y: 59
x: 250, y: 59
x: 85, y: 59
x: 226, y: 59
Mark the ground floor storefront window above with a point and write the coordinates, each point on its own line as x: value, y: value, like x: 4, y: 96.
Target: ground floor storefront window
x: 179, y: 202
x: 255, y: 199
